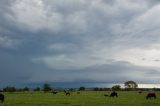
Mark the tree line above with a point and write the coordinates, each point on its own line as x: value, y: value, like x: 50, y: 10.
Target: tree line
x: 46, y: 87
x: 128, y: 86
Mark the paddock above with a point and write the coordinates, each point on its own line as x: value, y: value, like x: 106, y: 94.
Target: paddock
x: 85, y: 98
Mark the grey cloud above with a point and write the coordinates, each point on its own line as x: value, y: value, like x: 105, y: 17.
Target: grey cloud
x: 12, y: 69
x: 115, y: 72
x: 157, y: 60
x: 81, y: 38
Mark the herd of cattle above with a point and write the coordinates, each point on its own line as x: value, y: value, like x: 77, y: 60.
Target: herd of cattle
x: 150, y: 95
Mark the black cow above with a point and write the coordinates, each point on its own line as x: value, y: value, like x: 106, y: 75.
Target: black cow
x: 2, y: 98
x: 54, y: 92
x: 106, y: 95
x: 78, y: 92
x: 151, y: 95
x: 140, y: 92
x: 68, y: 93
x: 113, y: 94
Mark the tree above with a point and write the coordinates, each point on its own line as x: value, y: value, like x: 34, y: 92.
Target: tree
x: 46, y: 87
x: 20, y: 90
x: 116, y: 87
x: 82, y: 88
x: 71, y: 89
x: 37, y: 89
x: 9, y: 89
x: 25, y: 89
x: 96, y: 89
x: 130, y: 85
x: 1, y: 90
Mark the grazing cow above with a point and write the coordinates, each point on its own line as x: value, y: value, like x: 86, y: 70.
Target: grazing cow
x: 2, y: 98
x: 151, y: 95
x: 78, y: 92
x: 140, y: 92
x: 113, y: 94
x: 106, y: 95
x: 68, y: 93
x: 54, y: 92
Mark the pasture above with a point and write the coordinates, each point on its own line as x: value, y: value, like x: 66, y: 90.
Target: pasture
x: 85, y: 98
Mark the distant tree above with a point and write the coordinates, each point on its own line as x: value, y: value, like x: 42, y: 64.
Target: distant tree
x: 37, y: 89
x: 96, y: 89
x: 71, y: 89
x: 101, y: 89
x: 116, y: 87
x: 25, y: 89
x: 19, y: 90
x: 107, y: 89
x: 46, y: 87
x: 82, y: 88
x: 1, y: 90
x: 9, y: 89
x: 130, y: 85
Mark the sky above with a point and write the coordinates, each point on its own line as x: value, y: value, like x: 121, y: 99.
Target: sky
x: 97, y: 41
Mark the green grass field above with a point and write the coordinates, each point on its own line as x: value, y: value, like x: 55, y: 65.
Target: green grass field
x: 86, y: 98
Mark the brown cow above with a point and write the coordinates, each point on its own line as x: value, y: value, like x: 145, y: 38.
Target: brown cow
x: 151, y: 95
x: 2, y: 98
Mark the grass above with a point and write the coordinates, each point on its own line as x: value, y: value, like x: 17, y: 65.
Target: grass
x: 86, y: 98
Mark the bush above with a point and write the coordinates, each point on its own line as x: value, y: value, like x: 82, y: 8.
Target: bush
x: 82, y: 88
x: 116, y: 87
x: 37, y: 89
x: 25, y: 89
x: 9, y: 89
x: 46, y: 87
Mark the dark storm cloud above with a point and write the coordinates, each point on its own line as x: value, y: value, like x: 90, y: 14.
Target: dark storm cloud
x: 78, y: 40
x: 114, y: 72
